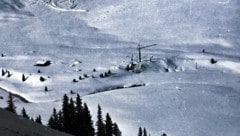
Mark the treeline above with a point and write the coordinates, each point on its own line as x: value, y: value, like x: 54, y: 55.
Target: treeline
x: 143, y: 132
x: 75, y: 118
x: 12, y: 108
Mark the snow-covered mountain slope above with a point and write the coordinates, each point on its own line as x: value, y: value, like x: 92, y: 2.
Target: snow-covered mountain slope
x: 171, y: 22
x: 11, y: 5
x: 65, y: 5
x: 11, y: 10
x: 190, y: 86
x: 175, y: 108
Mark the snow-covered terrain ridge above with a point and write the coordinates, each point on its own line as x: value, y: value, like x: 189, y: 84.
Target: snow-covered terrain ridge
x: 190, y: 87
x: 11, y: 10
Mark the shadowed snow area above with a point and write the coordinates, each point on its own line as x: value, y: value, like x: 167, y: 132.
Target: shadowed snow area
x: 11, y: 5
x: 12, y: 125
x: 190, y: 81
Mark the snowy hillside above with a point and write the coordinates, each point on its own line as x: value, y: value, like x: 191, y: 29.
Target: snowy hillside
x: 171, y: 22
x: 190, y: 81
x: 11, y: 5
x: 12, y: 125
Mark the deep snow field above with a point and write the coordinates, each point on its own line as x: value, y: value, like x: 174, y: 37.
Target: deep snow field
x: 182, y: 92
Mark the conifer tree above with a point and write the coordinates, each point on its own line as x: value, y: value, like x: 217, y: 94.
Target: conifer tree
x: 38, y: 119
x: 100, y: 124
x: 109, y: 125
x: 145, y: 132
x: 71, y: 114
x: 140, y: 133
x: 24, y: 114
x: 79, y: 116
x: 53, y: 120
x: 88, y: 129
x: 11, y: 106
x: 116, y: 131
x: 60, y: 121
x: 79, y: 107
x: 66, y: 117
x: 51, y: 123
x: 164, y: 134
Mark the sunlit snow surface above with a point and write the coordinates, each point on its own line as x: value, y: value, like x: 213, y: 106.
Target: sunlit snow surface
x: 193, y: 98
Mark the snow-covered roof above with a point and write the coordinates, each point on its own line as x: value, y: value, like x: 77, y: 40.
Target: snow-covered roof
x: 43, y: 63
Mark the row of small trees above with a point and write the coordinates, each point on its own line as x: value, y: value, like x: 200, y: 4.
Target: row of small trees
x: 75, y: 118
x: 12, y: 108
x: 107, y: 128
x: 142, y: 132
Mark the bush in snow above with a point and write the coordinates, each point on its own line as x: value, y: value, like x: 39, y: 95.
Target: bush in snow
x: 102, y: 75
x: 213, y: 61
